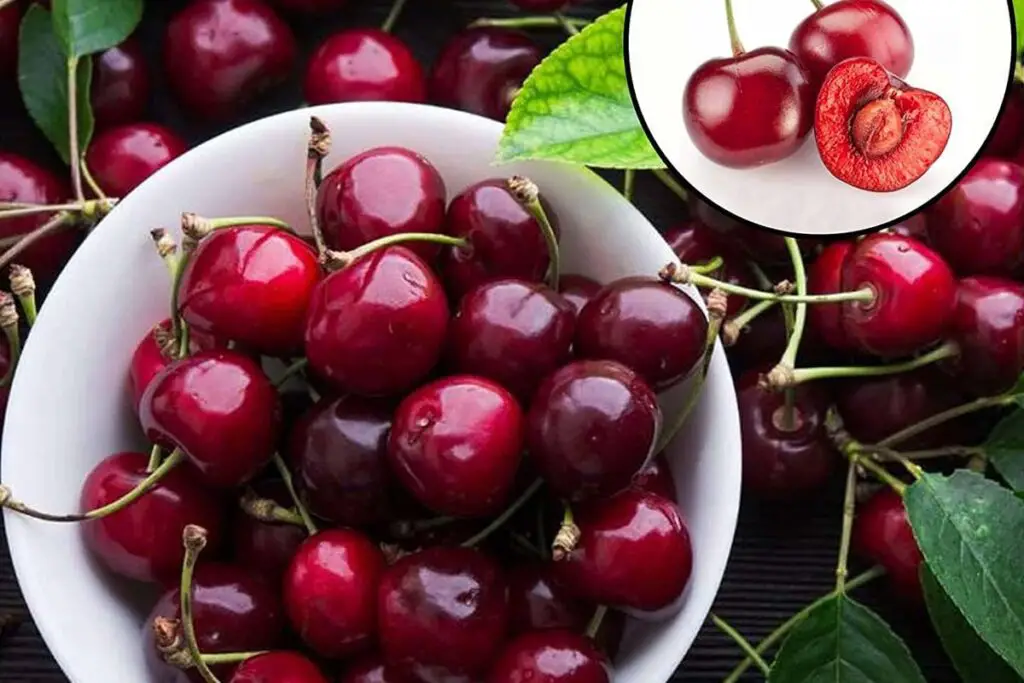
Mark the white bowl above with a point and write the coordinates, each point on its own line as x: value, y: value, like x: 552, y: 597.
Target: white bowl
x: 69, y: 409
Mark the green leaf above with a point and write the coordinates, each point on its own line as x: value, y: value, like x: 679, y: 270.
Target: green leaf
x: 1018, y: 13
x: 575, y: 107
x: 974, y: 660
x: 1005, y: 449
x: 89, y: 26
x: 842, y: 641
x: 43, y: 79
x: 970, y: 531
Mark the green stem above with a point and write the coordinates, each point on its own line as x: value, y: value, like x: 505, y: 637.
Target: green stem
x: 500, y: 520
x: 74, y: 153
x: 714, y: 325
x: 36, y: 209
x: 700, y: 280
x: 286, y: 477
x: 58, y: 222
x: 344, y: 259
x: 1018, y: 72
x: 231, y: 657
x: 527, y: 194
x: 800, y: 319
x: 628, y: 184
x: 849, y: 501
x: 880, y: 472
x: 194, y: 539
x: 91, y: 182
x: 178, y: 328
x: 28, y: 306
x: 945, y: 416
x: 392, y: 17
x: 570, y: 27
x: 156, y: 454
x: 554, y: 21
x: 13, y: 336
x: 818, y: 4
x: 294, y: 369
x: 317, y: 147
x: 708, y: 267
x: 267, y: 510
x: 747, y: 316
x: 947, y: 350
x: 671, y: 183
x: 744, y: 644
x: 594, y: 625
x: 734, y: 35
x: 931, y: 453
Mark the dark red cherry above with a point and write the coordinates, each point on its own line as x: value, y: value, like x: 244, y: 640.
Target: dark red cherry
x: 10, y: 22
x: 694, y: 243
x: 380, y: 192
x: 368, y: 668
x: 266, y: 548
x: 592, y: 426
x: 143, y: 540
x: 978, y: 226
x: 480, y: 70
x: 330, y: 592
x: 121, y: 158
x: 784, y: 456
x: 551, y: 657
x: 578, y: 290
x: 443, y: 615
x: 914, y: 294
x: 1006, y: 138
x: 220, y: 54
x: 504, y: 239
x: 825, y: 277
x: 538, y: 603
x: 764, y: 247
x: 377, y: 327
x: 513, y: 332
x: 120, y: 84
x: 278, y: 667
x: 915, y: 226
x: 634, y: 551
x: 154, y: 354
x: 648, y: 325
x: 310, y: 6
x: 250, y: 284
x: 456, y: 443
x: 364, y: 65
x: 220, y: 409
x: 988, y: 326
x: 882, y: 534
x: 656, y: 477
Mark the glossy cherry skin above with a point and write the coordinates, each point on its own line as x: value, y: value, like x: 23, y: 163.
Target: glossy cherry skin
x: 656, y: 477
x: 265, y: 548
x: 538, y: 603
x: 220, y: 409
x: 278, y: 667
x: 749, y: 110
x: 377, y: 327
x: 121, y: 158
x: 695, y: 243
x: 978, y: 226
x: 1006, y: 138
x: 915, y: 226
x: 120, y: 84
x: 592, y: 425
x: 369, y: 668
x: 914, y: 294
x: 988, y: 326
x: 364, y: 65
x: 634, y: 552
x: 330, y: 592
x: 443, y: 614
x: 480, y: 70
x: 143, y: 540
x: 10, y: 22
x: 550, y: 657
x: 647, y: 325
x: 455, y: 444
x: 578, y: 290
x: 149, y: 359
x: 220, y: 54
x: 250, y: 284
x: 882, y: 534
x: 825, y: 277
x: 513, y: 332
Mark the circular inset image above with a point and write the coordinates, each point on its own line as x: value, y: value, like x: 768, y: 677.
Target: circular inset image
x: 819, y: 117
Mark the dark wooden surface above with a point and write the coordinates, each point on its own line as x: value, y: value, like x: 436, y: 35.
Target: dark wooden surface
x: 784, y: 555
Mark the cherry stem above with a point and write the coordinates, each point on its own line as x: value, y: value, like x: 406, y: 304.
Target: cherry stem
x: 849, y: 501
x: 887, y: 454
x: 9, y: 323
x: 743, y: 643
x: 409, y: 528
x: 319, y: 146
x: 500, y: 520
x: 194, y: 539
x: 733, y: 328
x: 231, y: 657
x: 800, y: 319
x: 90, y: 181
x: 570, y: 28
x: 628, y: 184
x: 343, y: 259
x: 392, y: 17
x: 734, y: 36
x: 880, y: 472
x: 74, y: 153
x: 179, y: 330
x: 527, y: 194
x: 166, y: 248
x: 292, y: 370
x: 568, y: 536
x: 671, y: 183
x: 35, y: 209
x: 946, y: 350
x: 707, y: 267
x: 818, y: 4
x: 286, y: 477
x: 23, y: 286
x: 685, y: 275
x: 525, y: 544
x: 196, y: 227
x: 554, y: 21
x: 267, y: 510
x: 56, y: 223
x: 945, y: 416
x: 156, y: 455
x: 594, y: 625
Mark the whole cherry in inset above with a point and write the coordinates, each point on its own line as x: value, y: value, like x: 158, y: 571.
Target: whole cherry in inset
x: 875, y: 132
x: 220, y: 54
x: 120, y: 84
x: 656, y: 477
x: 363, y: 65
x: 882, y: 534
x: 155, y: 352
x: 443, y: 615
x: 456, y: 443
x: 592, y: 425
x: 265, y: 547
x: 538, y: 603
x: 278, y: 667
x: 368, y: 668
x: 694, y: 243
x: 551, y: 657
x: 480, y: 70
x: 825, y: 277
x: 578, y: 290
x: 121, y: 158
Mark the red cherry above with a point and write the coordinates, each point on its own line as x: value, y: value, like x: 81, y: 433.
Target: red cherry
x: 480, y: 70
x: 330, y: 592
x: 1006, y: 138
x: 310, y: 6
x: 634, y: 551
x: 882, y: 534
x: 988, y: 326
x: 266, y: 548
x: 369, y: 668
x: 120, y: 84
x: 825, y: 277
x: 364, y: 64
x: 121, y: 158
x: 251, y: 284
x: 221, y: 54
x: 377, y: 327
x: 538, y: 603
x: 578, y: 290
x: 656, y: 477
x: 149, y: 359
x: 443, y: 615
x: 220, y: 409
x: 551, y: 657
x: 277, y: 667
x: 10, y: 22
x: 694, y: 243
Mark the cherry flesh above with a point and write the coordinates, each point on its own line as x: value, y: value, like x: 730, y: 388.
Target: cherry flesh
x: 825, y: 277
x: 378, y: 326
x: 120, y: 84
x: 694, y: 243
x: 656, y: 477
x: 220, y: 409
x: 10, y: 22
x: 277, y: 667
x: 988, y: 326
x: 480, y: 70
x: 380, y: 192
x: 364, y: 65
x: 250, y: 284
x: 882, y: 534
x: 154, y: 353
x: 121, y: 158
x: 578, y: 290
x: 330, y: 592
x: 220, y: 54
x: 550, y: 657
x: 1006, y: 138
x: 266, y: 548
x: 369, y: 668
x: 538, y: 603
x: 455, y: 444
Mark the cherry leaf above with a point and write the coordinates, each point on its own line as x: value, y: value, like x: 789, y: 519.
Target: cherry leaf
x: 89, y: 26
x: 1018, y: 13
x: 1005, y: 449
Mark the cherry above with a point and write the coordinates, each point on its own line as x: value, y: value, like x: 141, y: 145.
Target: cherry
x: 154, y: 353
x: 220, y: 54
x: 783, y: 457
x: 455, y: 444
x: 551, y: 657
x: 591, y: 427
x: 365, y: 64
x: 120, y: 84
x: 915, y: 226
x: 480, y: 70
x: 853, y: 28
x: 648, y: 325
x: 220, y: 409
x: 369, y: 668
x: 251, y: 284
x: 142, y: 540
x: 538, y: 603
x: 656, y: 477
x: 914, y: 294
x: 882, y: 534
x: 978, y: 226
x: 378, y: 326
x: 513, y: 332
x: 330, y: 592
x: 825, y: 277
x: 695, y: 243
x: 380, y: 192
x: 634, y: 551
x: 277, y: 667
x: 311, y: 6
x: 876, y: 133
x: 504, y: 239
x: 122, y: 158
x: 266, y: 548
x: 578, y: 290
x: 443, y: 614
x: 10, y: 22
x: 1006, y: 137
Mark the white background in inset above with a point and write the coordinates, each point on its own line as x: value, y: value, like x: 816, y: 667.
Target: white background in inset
x: 962, y: 52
